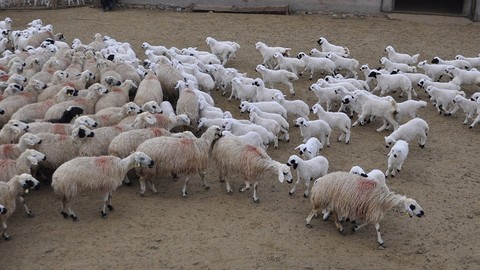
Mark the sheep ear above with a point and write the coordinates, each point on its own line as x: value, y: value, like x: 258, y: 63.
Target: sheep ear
x: 305, y: 124
x: 281, y: 177
x: 30, y: 142
x: 32, y: 160
x: 298, y: 147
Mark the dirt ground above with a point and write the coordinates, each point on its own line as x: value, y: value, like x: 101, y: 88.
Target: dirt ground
x: 212, y: 230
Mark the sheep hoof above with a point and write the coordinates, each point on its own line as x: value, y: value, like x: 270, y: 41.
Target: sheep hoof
x: 354, y: 229
x: 74, y: 218
x: 64, y: 214
x: 207, y: 187
x: 351, y: 116
x: 30, y: 214
x: 470, y: 127
x: 104, y: 215
x: 7, y: 238
x: 256, y: 200
x: 305, y: 195
x: 393, y: 175
x: 308, y: 225
x: 127, y: 184
x: 398, y: 170
x: 110, y: 207
x: 422, y: 146
x: 229, y: 192
x: 290, y: 193
x: 341, y: 231
x: 381, y: 246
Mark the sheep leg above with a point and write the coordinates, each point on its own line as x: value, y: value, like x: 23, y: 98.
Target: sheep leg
x: 151, y: 184
x: 202, y: 177
x: 70, y: 211
x: 246, y: 187
x: 337, y: 223
x: 255, y: 198
x: 107, y: 202
x: 381, y: 244
x: 127, y: 181
x: 347, y: 135
x: 184, y: 189
x: 423, y: 140
x: 142, y: 185
x: 290, y: 88
x: 294, y: 186
x: 310, y: 216
x: 307, y: 188
x: 4, y: 231
x: 27, y: 210
x: 357, y: 227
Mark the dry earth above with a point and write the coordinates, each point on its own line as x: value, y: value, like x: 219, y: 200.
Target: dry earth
x: 212, y: 230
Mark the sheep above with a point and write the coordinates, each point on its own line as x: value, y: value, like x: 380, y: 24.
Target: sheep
x: 270, y: 125
x: 263, y: 93
x: 477, y: 119
x: 463, y: 77
x: 116, y: 97
x: 408, y: 131
x: 114, y: 115
x: 474, y: 61
x: 13, y: 103
x: 294, y: 107
x: 425, y: 83
x: 98, y: 145
x: 396, y: 157
x: 61, y: 148
x: 366, y: 71
x: 88, y: 103
x: 329, y: 47
x: 346, y: 194
x: 282, y: 121
x: 149, y: 89
x: 408, y: 109
x: 232, y: 155
x: 9, y: 192
x: 267, y: 53
x: 239, y: 128
x: 223, y: 50
x: 3, y: 209
x: 443, y: 98
x: 314, y: 64
x: 414, y: 77
x: 155, y: 49
x: 349, y: 64
x: 390, y: 83
x: 359, y: 84
x: 167, y: 108
x: 163, y: 121
x: 434, y: 71
x: 329, y: 94
x: 271, y: 76
x: 401, y: 57
x: 310, y: 149
x: 461, y: 64
x: 315, y: 128
x: 104, y: 173
x: 61, y: 128
x: 374, y: 106
x: 164, y: 151
x: 168, y: 77
x: 12, y: 131
x: 468, y: 106
x: 250, y: 137
x: 391, y: 66
x: 316, y: 53
x: 188, y: 104
x: 265, y: 106
x: 292, y: 64
x: 307, y: 170
x: 13, y: 151
x: 244, y: 89
x: 335, y: 120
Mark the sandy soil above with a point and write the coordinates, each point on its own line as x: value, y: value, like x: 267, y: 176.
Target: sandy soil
x: 212, y: 230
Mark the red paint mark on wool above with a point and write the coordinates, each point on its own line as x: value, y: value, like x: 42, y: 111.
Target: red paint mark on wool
x: 117, y: 90
x: 4, y: 78
x: 59, y: 129
x: 157, y: 132
x: 366, y: 185
x: 81, y: 101
x: 105, y: 117
x: 62, y: 138
x: 6, y: 163
x: 186, y: 142
x: 7, y: 149
x: 101, y: 162
x: 71, y: 84
x: 118, y: 128
x: 162, y: 120
x: 251, y: 150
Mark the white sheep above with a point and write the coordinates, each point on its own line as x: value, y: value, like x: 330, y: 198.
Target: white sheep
x: 13, y: 151
x: 328, y: 95
x: 474, y: 61
x: 264, y: 93
x: 476, y: 120
x: 61, y: 129
x: 315, y: 128
x: 294, y: 107
x: 271, y: 76
x: 310, y: 149
x: 239, y: 128
x: 117, y: 96
x: 104, y: 174
x: 250, y: 137
x: 265, y: 106
x: 9, y: 192
x: 462, y: 64
x: 396, y: 157
x: 12, y: 131
x: 384, y: 108
x: 408, y: 109
x: 348, y: 64
x: 232, y: 155
x: 335, y: 120
x: 329, y: 47
x: 425, y: 83
x: 359, y: 84
x: 434, y: 71
x: 316, y: 64
x: 463, y: 77
x: 391, y: 66
x: 164, y: 151
x: 443, y: 98
x: 269, y: 124
x: 149, y: 89
x: 358, y: 198
x: 267, y: 53
x: 155, y: 49
x: 401, y: 57
x: 114, y: 115
x: 244, y: 89
x: 391, y: 82
x: 316, y: 53
x: 307, y: 170
x: 167, y: 108
x: 468, y: 106
x: 416, y: 127
x: 292, y: 64
x: 223, y: 50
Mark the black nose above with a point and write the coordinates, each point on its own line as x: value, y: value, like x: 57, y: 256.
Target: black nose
x: 4, y: 211
x: 44, y: 158
x: 40, y: 142
x: 152, y: 163
x: 421, y: 214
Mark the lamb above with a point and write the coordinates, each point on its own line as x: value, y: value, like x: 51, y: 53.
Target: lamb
x: 271, y: 76
x: 103, y: 174
x: 307, y: 170
x: 263, y: 93
x: 232, y: 155
x: 425, y: 83
x: 348, y: 195
x: 461, y: 64
x: 282, y: 121
x: 329, y: 47
x: 9, y: 192
x: 328, y: 94
x: 163, y: 121
x: 416, y: 127
x: 294, y: 107
x: 316, y: 53
x: 435, y: 71
x: 310, y: 149
x: 267, y: 53
x: 250, y: 137
x: 443, y: 98
x: 316, y: 128
x: 474, y: 61
x: 224, y: 50
x: 13, y: 151
x: 477, y: 119
x: 374, y: 106
x: 414, y: 77
x: 401, y: 57
x: 112, y: 116
x: 270, y: 125
x: 390, y: 83
x: 468, y: 106
x: 396, y: 157
x: 61, y: 128
x: 359, y: 84
x: 288, y: 63
x: 167, y: 108
x: 238, y: 128
x: 463, y: 77
x: 408, y: 109
x: 12, y: 131
x: 155, y: 49
x: 164, y: 151
x: 116, y: 97
x: 348, y: 64
x: 314, y: 64
x: 265, y: 106
x: 149, y: 89
x: 335, y: 120
x: 391, y: 66
x: 244, y: 89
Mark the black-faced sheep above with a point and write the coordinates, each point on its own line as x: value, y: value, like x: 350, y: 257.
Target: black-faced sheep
x: 104, y: 174
x: 358, y: 198
x: 13, y: 151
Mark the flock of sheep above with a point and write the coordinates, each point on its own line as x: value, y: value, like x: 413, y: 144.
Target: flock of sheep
x: 86, y: 114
